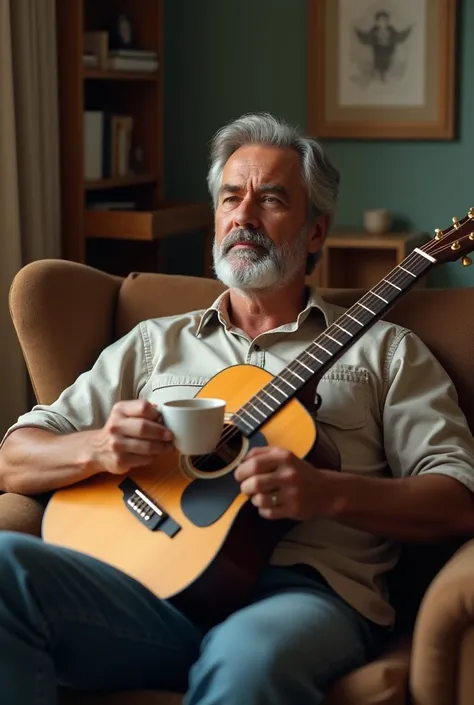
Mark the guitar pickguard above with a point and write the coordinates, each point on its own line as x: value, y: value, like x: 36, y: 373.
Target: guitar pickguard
x: 204, y: 502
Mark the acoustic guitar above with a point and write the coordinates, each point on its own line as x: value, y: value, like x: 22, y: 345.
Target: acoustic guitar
x: 181, y: 527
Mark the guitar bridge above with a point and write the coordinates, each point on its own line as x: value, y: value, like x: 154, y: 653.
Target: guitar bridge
x: 146, y: 510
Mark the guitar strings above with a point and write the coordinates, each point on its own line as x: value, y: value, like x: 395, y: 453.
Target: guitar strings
x: 382, y: 287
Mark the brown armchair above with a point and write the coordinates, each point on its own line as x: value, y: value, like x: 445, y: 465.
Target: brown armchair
x: 65, y: 313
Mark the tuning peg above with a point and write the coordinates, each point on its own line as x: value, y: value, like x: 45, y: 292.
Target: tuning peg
x: 456, y: 222
x: 438, y: 234
x: 471, y: 213
x: 466, y: 261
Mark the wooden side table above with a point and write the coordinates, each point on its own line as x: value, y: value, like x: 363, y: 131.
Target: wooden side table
x: 356, y: 259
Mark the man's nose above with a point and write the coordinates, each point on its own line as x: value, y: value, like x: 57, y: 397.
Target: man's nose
x: 246, y: 215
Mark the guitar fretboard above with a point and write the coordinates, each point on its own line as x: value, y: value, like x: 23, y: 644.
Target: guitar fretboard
x: 328, y: 347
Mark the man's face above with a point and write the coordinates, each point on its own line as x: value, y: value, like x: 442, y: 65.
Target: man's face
x: 262, y: 238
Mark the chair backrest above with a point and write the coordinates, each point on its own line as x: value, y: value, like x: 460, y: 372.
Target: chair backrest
x: 65, y: 313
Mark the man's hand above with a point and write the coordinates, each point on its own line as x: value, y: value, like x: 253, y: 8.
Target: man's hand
x: 133, y: 436
x: 283, y: 486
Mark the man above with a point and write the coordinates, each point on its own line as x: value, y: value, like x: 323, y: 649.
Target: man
x: 320, y: 608
x: 384, y: 40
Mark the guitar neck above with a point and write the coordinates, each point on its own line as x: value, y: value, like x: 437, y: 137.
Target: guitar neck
x: 328, y: 347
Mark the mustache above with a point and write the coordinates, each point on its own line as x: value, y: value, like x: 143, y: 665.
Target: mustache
x: 253, y: 237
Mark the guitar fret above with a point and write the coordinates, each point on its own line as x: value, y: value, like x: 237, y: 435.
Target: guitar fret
x: 425, y: 255
x: 392, y: 284
x: 305, y: 366
x: 238, y: 415
x: 249, y: 414
x: 264, y: 390
x: 334, y: 339
x: 254, y: 406
x: 314, y: 357
x: 295, y: 374
x: 345, y: 331
x: 367, y: 309
x: 379, y: 297
x: 355, y: 319
x: 407, y: 271
x: 323, y: 348
x: 286, y: 382
x: 262, y: 401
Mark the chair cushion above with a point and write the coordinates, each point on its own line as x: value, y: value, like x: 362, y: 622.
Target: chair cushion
x: 382, y: 682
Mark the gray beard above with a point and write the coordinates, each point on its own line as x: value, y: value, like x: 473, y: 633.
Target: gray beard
x: 269, y: 267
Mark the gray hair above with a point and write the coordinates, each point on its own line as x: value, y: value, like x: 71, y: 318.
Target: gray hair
x: 319, y: 176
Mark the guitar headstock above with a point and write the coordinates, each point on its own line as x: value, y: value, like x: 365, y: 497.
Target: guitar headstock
x: 454, y: 243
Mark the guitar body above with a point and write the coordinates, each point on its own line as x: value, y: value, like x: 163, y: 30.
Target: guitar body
x: 207, y: 548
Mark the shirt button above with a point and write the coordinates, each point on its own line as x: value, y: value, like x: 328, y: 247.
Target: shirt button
x: 256, y: 348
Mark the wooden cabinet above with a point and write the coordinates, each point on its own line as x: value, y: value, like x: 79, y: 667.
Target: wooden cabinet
x: 117, y: 240
x: 356, y: 259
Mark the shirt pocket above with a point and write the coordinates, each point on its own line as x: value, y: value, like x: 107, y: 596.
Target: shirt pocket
x: 167, y: 387
x: 345, y: 416
x: 345, y: 399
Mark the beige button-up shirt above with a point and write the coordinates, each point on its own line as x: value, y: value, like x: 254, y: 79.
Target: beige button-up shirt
x: 387, y: 404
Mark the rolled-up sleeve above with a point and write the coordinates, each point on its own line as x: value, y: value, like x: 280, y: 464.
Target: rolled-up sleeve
x: 425, y: 430
x: 118, y: 374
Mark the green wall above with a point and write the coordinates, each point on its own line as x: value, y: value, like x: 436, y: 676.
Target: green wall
x: 226, y: 58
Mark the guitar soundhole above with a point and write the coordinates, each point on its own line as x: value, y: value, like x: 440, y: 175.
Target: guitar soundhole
x: 227, y: 455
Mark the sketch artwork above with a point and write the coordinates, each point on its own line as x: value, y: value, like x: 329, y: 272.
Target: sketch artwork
x: 382, y: 52
x: 383, y: 38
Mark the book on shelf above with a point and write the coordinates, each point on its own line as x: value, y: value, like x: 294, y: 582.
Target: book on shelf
x: 124, y: 63
x: 96, y: 44
x: 93, y: 144
x: 107, y: 145
x: 112, y: 206
x: 90, y: 61
x: 134, y: 54
x: 121, y: 139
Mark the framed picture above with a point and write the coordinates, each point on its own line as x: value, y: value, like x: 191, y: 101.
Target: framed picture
x: 381, y: 69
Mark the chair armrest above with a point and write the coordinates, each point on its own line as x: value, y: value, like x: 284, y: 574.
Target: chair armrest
x: 445, y: 617
x: 20, y: 513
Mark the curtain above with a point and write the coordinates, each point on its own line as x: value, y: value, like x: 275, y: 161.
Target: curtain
x: 29, y: 169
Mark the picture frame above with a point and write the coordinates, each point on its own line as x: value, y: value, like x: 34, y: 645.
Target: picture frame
x: 382, y: 69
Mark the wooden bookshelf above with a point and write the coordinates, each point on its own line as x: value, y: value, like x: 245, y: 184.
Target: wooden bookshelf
x: 355, y: 259
x: 129, y: 239
x: 109, y: 75
x: 120, y: 182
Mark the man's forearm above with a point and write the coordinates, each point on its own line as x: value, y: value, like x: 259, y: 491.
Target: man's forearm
x: 420, y: 508
x: 33, y: 460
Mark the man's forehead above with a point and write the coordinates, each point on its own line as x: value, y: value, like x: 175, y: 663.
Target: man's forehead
x: 270, y: 164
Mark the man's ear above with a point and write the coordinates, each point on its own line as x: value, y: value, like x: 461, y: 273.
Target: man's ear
x: 317, y: 233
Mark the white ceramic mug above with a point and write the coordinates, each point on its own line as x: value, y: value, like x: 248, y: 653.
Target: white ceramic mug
x: 196, y: 424
x: 377, y: 221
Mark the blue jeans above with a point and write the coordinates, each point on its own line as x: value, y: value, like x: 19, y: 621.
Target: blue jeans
x: 68, y: 619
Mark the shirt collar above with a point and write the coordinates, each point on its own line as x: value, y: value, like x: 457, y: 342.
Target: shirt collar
x: 219, y: 310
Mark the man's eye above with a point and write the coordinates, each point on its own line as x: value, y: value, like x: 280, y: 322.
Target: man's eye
x: 230, y: 199
x: 271, y: 199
